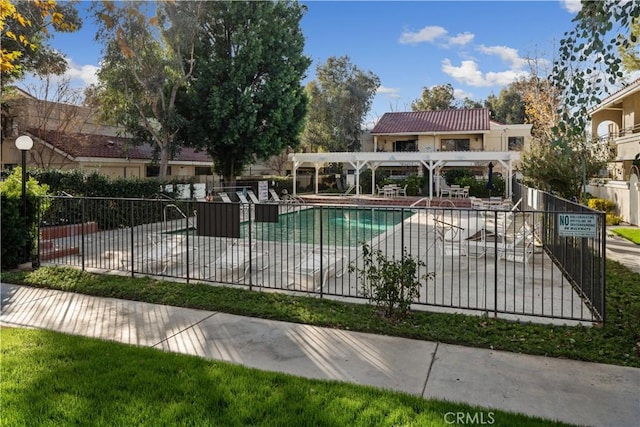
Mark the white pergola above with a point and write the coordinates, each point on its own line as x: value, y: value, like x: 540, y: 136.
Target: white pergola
x: 430, y: 160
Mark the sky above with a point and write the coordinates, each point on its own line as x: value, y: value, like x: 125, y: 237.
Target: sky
x: 478, y: 47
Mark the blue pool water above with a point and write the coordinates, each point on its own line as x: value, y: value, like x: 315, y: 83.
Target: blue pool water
x: 331, y: 225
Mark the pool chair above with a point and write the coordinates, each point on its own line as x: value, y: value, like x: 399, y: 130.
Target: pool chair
x: 160, y: 253
x: 252, y: 196
x: 516, y: 240
x: 274, y: 195
x: 235, y: 262
x: 243, y: 199
x: 312, y: 272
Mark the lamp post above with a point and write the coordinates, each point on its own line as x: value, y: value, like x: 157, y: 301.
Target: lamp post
x: 24, y: 144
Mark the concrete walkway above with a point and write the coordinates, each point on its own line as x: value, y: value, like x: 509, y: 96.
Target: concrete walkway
x: 622, y: 250
x: 571, y: 391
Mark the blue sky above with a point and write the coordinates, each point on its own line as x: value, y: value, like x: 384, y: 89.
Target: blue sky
x: 477, y: 46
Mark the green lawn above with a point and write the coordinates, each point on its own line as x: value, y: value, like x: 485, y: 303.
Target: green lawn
x: 631, y: 234
x: 615, y: 342
x: 52, y: 379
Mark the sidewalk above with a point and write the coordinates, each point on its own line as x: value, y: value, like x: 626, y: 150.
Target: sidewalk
x: 571, y: 391
x: 622, y: 250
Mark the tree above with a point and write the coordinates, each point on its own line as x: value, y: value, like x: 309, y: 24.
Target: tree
x: 57, y: 112
x: 555, y: 162
x: 146, y: 62
x: 589, y: 66
x: 25, y: 28
x: 339, y: 101
x: 508, y: 106
x: 435, y: 98
x: 245, y: 100
x: 630, y: 53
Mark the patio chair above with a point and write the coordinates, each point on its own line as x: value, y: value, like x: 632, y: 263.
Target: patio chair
x: 233, y: 264
x: 225, y: 197
x: 274, y: 196
x: 314, y: 270
x: 516, y: 240
x: 160, y: 253
x: 252, y: 196
x: 445, y: 188
x: 243, y: 199
x: 402, y: 191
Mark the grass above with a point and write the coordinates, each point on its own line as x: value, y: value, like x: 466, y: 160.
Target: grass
x: 631, y: 234
x: 52, y: 379
x: 616, y: 342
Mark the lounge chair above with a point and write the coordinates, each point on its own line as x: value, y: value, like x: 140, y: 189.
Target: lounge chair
x: 314, y: 270
x: 225, y: 197
x: 274, y: 195
x: 243, y: 199
x: 252, y: 196
x: 516, y: 240
x: 160, y: 253
x: 233, y: 264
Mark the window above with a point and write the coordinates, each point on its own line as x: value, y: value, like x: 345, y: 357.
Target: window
x: 410, y: 145
x: 455, y: 145
x: 153, y: 171
x: 203, y: 170
x: 516, y: 143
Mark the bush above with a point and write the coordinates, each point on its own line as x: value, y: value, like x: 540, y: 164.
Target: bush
x: 603, y: 205
x: 19, y: 233
x: 391, y: 284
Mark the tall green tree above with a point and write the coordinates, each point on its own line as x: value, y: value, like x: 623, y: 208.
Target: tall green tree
x: 435, y: 98
x: 508, y: 106
x: 148, y: 58
x: 630, y: 53
x: 340, y: 99
x: 245, y: 100
x: 589, y: 65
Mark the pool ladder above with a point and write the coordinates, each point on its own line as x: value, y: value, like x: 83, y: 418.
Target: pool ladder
x: 191, y: 224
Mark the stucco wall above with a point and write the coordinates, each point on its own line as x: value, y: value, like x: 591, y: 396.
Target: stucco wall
x: 626, y: 195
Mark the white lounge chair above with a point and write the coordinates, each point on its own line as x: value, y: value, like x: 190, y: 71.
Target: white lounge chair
x: 243, y: 199
x: 233, y: 264
x: 225, y: 197
x: 160, y: 253
x: 314, y: 270
x: 274, y: 195
x: 516, y: 240
x: 252, y: 196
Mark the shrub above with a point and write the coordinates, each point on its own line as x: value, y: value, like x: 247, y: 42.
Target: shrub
x: 613, y: 219
x: 18, y: 231
x: 603, y: 205
x: 391, y: 285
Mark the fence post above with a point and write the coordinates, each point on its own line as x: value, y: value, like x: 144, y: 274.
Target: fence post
x: 603, y: 275
x: 82, y: 221
x: 250, y: 248
x: 132, y: 243
x: 495, y: 264
x: 321, y: 257
x: 186, y: 221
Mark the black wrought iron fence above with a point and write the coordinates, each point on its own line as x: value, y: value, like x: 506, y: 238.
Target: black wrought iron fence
x: 574, y: 236
x: 494, y: 261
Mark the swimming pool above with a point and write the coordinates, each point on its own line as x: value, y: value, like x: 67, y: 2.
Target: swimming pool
x: 341, y: 226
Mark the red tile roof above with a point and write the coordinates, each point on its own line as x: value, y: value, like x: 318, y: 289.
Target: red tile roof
x: 464, y: 120
x: 109, y: 147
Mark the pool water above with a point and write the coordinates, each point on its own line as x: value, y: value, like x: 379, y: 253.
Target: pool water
x: 330, y: 225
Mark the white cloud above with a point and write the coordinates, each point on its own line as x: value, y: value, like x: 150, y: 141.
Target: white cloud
x: 84, y: 74
x: 391, y: 92
x: 427, y: 34
x: 507, y: 54
x: 462, y: 94
x: 469, y: 74
x: 572, y: 6
x: 461, y: 39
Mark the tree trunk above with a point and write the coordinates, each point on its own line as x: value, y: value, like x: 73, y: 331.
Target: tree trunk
x: 164, y: 161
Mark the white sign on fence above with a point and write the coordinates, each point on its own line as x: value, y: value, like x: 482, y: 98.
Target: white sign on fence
x: 577, y: 225
x: 263, y: 191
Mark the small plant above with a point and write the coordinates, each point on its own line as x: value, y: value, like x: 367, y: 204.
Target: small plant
x: 603, y: 205
x: 392, y: 285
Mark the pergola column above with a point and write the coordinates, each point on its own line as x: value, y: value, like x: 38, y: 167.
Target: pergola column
x: 359, y: 164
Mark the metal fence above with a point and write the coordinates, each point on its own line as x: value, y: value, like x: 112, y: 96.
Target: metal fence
x: 494, y: 261
x: 582, y: 259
